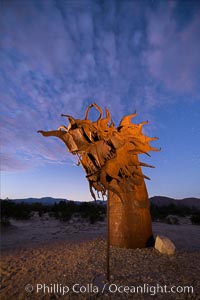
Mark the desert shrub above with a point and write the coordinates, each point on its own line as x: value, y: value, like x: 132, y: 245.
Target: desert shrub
x: 7, y: 209
x: 95, y: 217
x: 93, y: 212
x: 4, y: 221
x: 90, y: 211
x: 51, y: 214
x: 63, y: 210
x: 172, y: 220
x: 18, y: 211
x: 162, y: 212
x: 63, y: 215
x: 40, y: 208
x: 40, y: 213
x: 195, y: 218
x: 22, y: 212
x: 157, y: 212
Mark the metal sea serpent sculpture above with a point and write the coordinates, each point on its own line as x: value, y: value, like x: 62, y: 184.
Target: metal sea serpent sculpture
x: 109, y: 156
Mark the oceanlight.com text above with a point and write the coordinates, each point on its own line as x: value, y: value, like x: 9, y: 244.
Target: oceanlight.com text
x: 111, y: 288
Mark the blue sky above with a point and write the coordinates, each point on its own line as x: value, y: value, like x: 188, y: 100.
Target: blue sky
x: 59, y: 56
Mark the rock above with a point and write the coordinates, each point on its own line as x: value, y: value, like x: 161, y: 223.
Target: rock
x: 164, y: 245
x: 71, y: 221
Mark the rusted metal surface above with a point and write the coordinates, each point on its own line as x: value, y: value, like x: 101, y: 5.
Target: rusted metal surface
x: 109, y: 156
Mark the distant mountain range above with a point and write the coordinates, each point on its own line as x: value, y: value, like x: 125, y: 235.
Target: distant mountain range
x: 188, y: 202
x: 158, y: 200
x: 43, y: 200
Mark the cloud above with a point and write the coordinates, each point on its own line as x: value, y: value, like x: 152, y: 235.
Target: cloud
x: 173, y: 55
x: 59, y: 56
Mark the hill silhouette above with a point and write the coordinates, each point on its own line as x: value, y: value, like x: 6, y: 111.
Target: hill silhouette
x: 190, y: 202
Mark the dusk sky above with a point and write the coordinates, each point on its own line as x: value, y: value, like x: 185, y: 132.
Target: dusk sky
x: 59, y: 56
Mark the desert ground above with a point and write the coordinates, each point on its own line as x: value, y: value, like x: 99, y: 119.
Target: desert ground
x: 43, y: 258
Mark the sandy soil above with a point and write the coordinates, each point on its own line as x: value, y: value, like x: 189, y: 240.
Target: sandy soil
x: 45, y: 251
x: 45, y: 230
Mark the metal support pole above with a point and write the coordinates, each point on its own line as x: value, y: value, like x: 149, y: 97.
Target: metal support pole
x: 108, y: 238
